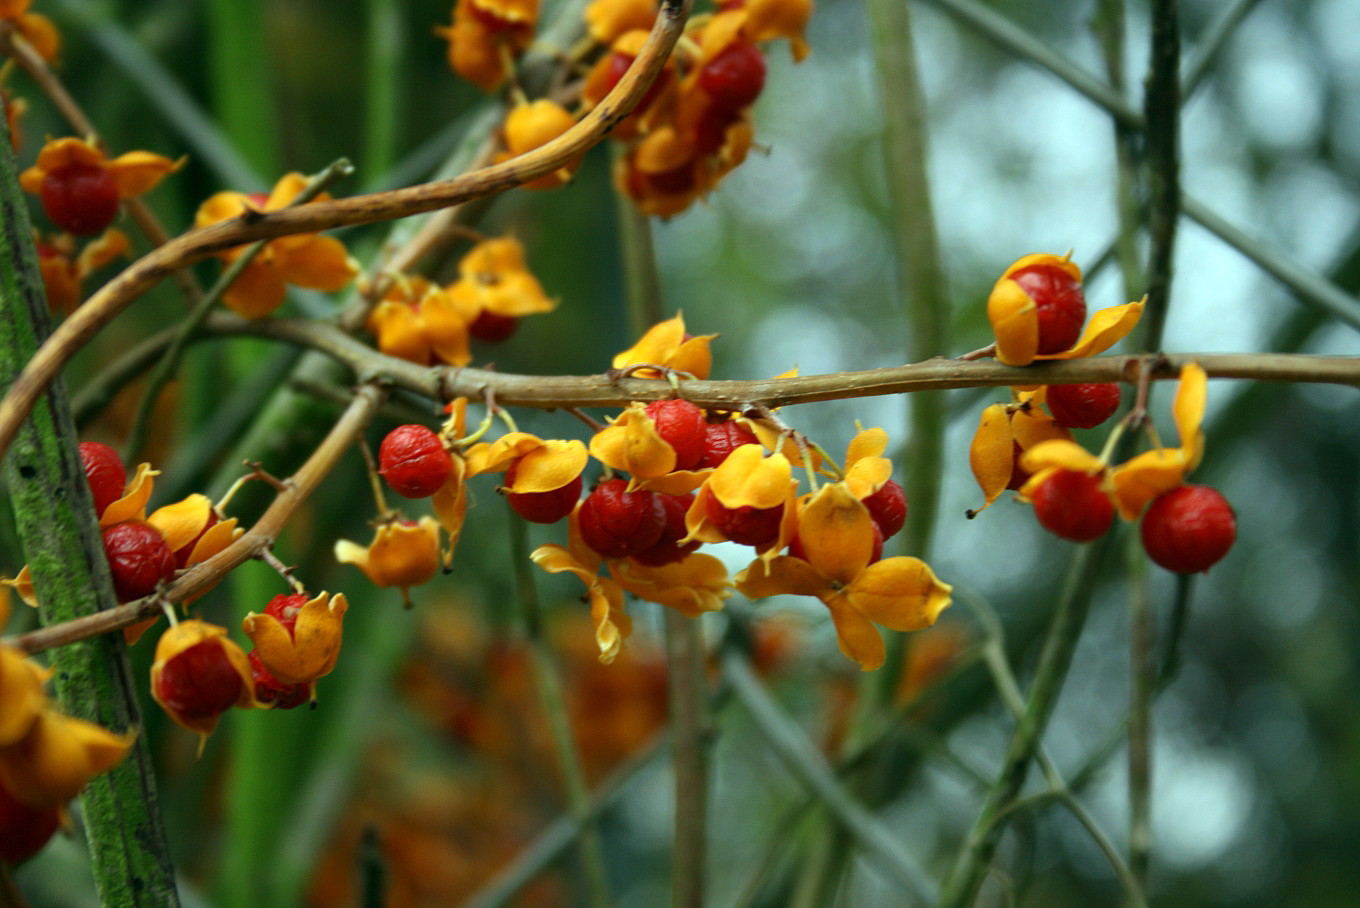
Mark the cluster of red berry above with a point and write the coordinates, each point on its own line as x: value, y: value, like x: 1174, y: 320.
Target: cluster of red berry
x: 1038, y: 310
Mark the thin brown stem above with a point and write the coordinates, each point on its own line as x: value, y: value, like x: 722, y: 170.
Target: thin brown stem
x: 252, y: 544
x: 119, y: 293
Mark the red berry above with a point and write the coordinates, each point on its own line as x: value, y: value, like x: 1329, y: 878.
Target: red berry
x: 722, y: 438
x: 285, y: 607
x: 269, y: 689
x: 735, y: 76
x: 682, y: 426
x: 413, y: 461
x: 888, y: 508
x: 542, y: 507
x: 105, y: 473
x: 1072, y: 505
x: 745, y: 524
x: 667, y: 549
x: 198, y: 682
x: 80, y: 198
x: 1189, y: 529
x: 1082, y: 406
x: 24, y: 829
x: 139, y: 558
x: 1019, y: 475
x: 1060, y: 303
x: 617, y: 523
x: 490, y: 327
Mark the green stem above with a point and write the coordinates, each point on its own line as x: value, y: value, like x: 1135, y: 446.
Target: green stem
x: 970, y: 868
x: 239, y: 58
x: 798, y: 754
x: 383, y: 98
x: 1143, y: 688
x: 921, y: 287
x: 549, y: 683
x: 54, y: 516
x: 684, y: 641
x: 1161, y: 109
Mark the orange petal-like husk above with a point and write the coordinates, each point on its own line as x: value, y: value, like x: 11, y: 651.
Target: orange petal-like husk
x: 1015, y: 323
x: 1105, y: 329
x: 39, y: 32
x: 837, y: 533
x: 181, y: 522
x: 322, y: 263
x: 447, y: 315
x: 137, y: 172
x: 550, y: 466
x: 696, y: 584
x: 608, y: 20
x: 1061, y: 454
x: 857, y: 636
x: 1188, y: 412
x: 992, y: 452
x: 400, y: 331
x: 770, y: 19
x: 257, y: 291
x: 222, y: 206
x: 497, y: 456
x: 1146, y: 476
x: 632, y: 445
x: 450, y: 506
x: 21, y: 694
x: 749, y: 478
x: 58, y: 756
x: 782, y: 574
x: 311, y: 650
x: 132, y: 506
x: 901, y: 593
x: 190, y: 633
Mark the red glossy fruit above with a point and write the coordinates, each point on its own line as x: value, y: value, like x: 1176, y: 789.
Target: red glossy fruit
x: 139, y: 558
x: 80, y: 198
x: 199, y: 682
x: 722, y: 438
x: 888, y: 508
x: 413, y: 461
x: 1060, y: 303
x: 269, y: 689
x: 1019, y: 475
x: 745, y: 524
x: 490, y: 327
x: 1189, y: 529
x: 24, y: 829
x: 1082, y: 406
x: 735, y: 76
x: 682, y: 426
x: 285, y: 607
x: 105, y: 473
x: 1073, y: 505
x: 667, y: 549
x: 542, y: 507
x: 617, y: 523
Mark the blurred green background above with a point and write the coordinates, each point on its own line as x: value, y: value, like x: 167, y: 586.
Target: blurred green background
x: 1256, y: 740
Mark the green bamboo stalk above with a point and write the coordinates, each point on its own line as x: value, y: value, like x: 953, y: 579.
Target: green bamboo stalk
x: 383, y: 97
x: 54, y: 515
x: 240, y: 79
x: 970, y: 867
x: 548, y: 681
x: 880, y: 844
x: 684, y: 641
